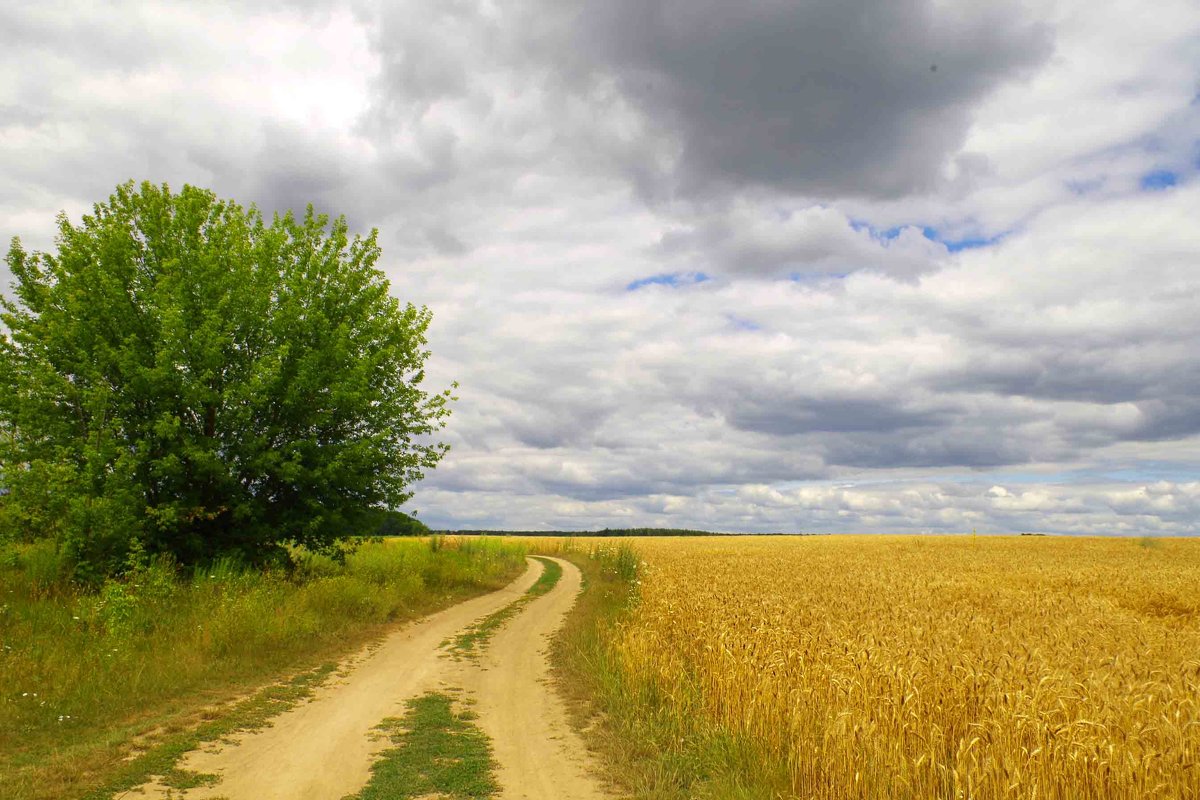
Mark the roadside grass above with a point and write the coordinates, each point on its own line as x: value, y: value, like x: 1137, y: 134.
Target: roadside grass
x: 250, y: 714
x: 475, y: 637
x: 649, y: 750
x: 91, y: 677
x: 439, y: 752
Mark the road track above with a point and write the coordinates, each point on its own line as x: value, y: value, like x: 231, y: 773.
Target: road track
x: 323, y: 749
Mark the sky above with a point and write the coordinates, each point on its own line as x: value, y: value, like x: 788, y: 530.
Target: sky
x: 767, y: 265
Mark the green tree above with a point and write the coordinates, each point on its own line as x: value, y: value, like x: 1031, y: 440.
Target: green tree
x: 182, y: 377
x: 395, y: 523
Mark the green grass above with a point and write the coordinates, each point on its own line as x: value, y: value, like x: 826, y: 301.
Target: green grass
x: 475, y: 637
x: 547, y: 580
x: 650, y: 752
x: 438, y: 753
x: 85, y: 673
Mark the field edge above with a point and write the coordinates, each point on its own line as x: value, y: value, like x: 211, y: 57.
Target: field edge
x: 641, y: 746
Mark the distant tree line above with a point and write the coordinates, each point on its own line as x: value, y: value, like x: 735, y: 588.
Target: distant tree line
x: 604, y: 532
x: 393, y: 523
x: 623, y: 532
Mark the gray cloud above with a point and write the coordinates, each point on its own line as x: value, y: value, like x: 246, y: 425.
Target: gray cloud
x: 775, y: 243
x: 818, y: 98
x: 782, y: 416
x: 982, y: 365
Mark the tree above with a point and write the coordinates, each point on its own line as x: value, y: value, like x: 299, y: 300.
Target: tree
x: 182, y: 377
x: 395, y: 523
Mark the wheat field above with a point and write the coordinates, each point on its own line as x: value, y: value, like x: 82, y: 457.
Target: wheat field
x: 931, y: 667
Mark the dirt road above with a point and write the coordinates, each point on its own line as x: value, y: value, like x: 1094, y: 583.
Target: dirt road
x: 540, y: 755
x: 323, y: 749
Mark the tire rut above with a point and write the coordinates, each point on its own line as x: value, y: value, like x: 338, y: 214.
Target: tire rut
x: 540, y: 755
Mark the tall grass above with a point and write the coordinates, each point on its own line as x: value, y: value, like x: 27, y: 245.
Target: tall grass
x: 76, y: 664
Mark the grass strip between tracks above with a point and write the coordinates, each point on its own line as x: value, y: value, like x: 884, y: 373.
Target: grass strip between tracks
x: 475, y: 637
x: 438, y: 752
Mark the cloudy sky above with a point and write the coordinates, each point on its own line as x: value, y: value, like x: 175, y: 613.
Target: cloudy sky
x: 766, y: 265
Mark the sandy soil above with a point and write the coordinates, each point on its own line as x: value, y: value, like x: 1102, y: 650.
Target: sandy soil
x: 323, y: 749
x: 540, y: 755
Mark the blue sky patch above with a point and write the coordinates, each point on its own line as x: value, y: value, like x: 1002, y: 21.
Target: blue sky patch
x: 878, y: 235
x: 931, y: 233
x: 968, y: 243
x: 672, y: 279
x: 1158, y: 180
x: 816, y: 277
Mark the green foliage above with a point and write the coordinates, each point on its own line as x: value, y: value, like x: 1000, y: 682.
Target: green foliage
x: 183, y: 375
x: 42, y: 564
x: 620, y: 561
x: 393, y: 523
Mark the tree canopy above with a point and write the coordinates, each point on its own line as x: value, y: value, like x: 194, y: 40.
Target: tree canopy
x: 181, y: 376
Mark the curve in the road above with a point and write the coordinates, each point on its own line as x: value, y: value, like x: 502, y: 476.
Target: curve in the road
x: 323, y: 749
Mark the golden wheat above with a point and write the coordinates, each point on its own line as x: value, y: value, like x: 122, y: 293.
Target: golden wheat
x: 907, y: 667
